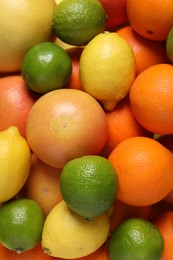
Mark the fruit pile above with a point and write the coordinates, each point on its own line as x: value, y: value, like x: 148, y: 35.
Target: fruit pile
x: 86, y: 130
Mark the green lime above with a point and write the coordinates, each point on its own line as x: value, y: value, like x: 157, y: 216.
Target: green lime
x: 89, y: 185
x: 21, y: 224
x: 76, y: 22
x: 136, y: 239
x: 169, y: 45
x: 45, y: 67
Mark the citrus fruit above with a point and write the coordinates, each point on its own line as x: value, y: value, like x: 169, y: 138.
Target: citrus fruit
x: 89, y: 185
x: 145, y: 170
x: 147, y: 52
x: 121, y: 125
x: 35, y: 253
x: 74, y: 81
x: 164, y: 222
x: 107, y: 68
x: 151, y: 18
x: 33, y: 24
x: 42, y: 185
x: 45, y: 67
x: 68, y: 235
x: 14, y: 162
x: 76, y: 22
x: 16, y: 102
x: 116, y: 13
x: 136, y: 238
x: 123, y: 211
x: 169, y: 45
x: 64, y: 124
x: 151, y: 98
x: 21, y: 224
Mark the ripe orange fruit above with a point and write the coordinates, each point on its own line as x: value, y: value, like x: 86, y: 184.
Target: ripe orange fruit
x: 151, y: 18
x: 43, y: 185
x: 35, y: 253
x: 116, y: 12
x: 164, y: 222
x: 145, y: 170
x: 123, y: 211
x: 121, y: 125
x: 151, y: 97
x: 64, y: 124
x: 16, y: 102
x: 74, y: 81
x: 147, y: 52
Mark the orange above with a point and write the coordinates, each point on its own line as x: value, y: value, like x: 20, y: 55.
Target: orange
x: 151, y: 97
x: 147, y: 52
x: 151, y: 18
x: 123, y: 211
x: 121, y: 125
x: 35, y: 253
x: 164, y: 222
x: 16, y: 102
x: 74, y: 81
x: 116, y: 12
x: 145, y: 170
x: 74, y: 125
x: 43, y: 185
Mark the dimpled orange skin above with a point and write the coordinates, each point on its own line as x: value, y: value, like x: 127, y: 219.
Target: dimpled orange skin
x: 151, y: 18
x: 145, y: 170
x: 65, y: 124
x: 151, y: 98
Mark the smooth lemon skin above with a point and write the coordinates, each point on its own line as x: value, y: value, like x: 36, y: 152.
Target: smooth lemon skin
x: 23, y: 24
x: 107, y: 68
x: 15, y: 162
x: 68, y: 235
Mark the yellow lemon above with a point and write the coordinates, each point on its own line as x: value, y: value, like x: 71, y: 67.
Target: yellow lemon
x: 107, y: 68
x: 23, y: 24
x: 15, y: 160
x: 68, y: 235
x: 57, y: 1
